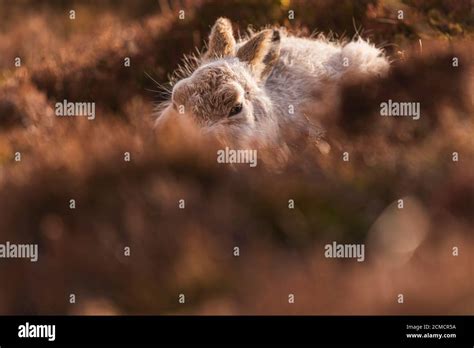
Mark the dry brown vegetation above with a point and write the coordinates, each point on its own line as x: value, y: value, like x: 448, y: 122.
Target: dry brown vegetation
x: 189, y: 250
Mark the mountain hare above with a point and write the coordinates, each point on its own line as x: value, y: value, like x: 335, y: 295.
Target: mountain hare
x: 265, y: 83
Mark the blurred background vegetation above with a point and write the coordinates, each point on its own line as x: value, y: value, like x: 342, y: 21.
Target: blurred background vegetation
x: 190, y: 251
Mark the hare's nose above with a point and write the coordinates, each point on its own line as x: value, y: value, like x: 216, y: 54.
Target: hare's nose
x: 180, y: 92
x: 175, y: 101
x: 174, y: 98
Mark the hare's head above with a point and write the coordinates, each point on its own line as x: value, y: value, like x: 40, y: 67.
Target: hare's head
x: 227, y: 89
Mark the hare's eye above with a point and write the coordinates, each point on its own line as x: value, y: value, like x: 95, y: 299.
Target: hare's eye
x: 237, y: 108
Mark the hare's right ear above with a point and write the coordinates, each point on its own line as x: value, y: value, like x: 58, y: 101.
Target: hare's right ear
x: 261, y: 52
x: 221, y: 40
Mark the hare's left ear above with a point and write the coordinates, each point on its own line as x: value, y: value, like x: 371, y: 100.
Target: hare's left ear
x: 221, y: 40
x: 261, y: 52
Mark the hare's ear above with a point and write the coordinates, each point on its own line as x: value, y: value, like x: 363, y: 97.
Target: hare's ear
x: 261, y: 52
x: 221, y: 40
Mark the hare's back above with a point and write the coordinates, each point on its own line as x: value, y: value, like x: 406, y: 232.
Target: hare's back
x: 306, y: 56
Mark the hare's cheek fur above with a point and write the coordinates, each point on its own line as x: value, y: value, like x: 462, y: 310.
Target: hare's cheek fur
x: 247, y: 114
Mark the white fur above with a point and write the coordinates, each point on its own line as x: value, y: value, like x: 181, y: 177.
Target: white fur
x: 307, y: 71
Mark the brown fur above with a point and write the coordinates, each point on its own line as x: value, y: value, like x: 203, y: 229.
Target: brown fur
x: 213, y: 82
x: 261, y: 52
x: 221, y: 40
